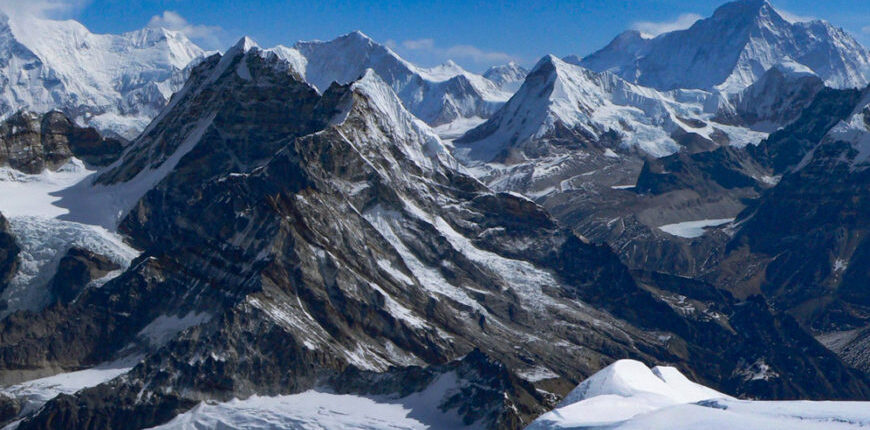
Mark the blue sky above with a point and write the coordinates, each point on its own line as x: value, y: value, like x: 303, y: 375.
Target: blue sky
x: 475, y: 34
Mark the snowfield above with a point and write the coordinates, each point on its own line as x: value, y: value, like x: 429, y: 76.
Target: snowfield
x: 316, y: 409
x: 693, y: 229
x: 31, y: 203
x: 33, y: 394
x: 629, y: 395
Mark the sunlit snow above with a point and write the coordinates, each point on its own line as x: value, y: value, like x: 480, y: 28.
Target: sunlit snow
x: 628, y: 395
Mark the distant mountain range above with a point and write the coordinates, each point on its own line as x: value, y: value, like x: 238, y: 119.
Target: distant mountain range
x: 732, y: 49
x: 117, y: 83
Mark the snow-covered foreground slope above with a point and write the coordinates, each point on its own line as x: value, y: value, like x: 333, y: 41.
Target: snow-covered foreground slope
x: 309, y: 410
x: 33, y: 394
x: 629, y: 395
x: 113, y: 82
x: 317, y: 409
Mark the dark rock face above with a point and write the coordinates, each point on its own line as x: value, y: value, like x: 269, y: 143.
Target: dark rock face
x: 853, y: 346
x: 8, y: 253
x: 814, y: 223
x: 76, y: 270
x: 777, y: 98
x: 785, y: 148
x: 32, y: 143
x: 9, y: 409
x: 708, y: 173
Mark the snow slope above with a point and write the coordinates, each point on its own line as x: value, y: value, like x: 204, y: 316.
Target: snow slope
x: 438, y: 95
x: 628, y: 395
x: 113, y: 82
x: 315, y: 409
x: 33, y: 394
x: 732, y: 49
x: 30, y: 203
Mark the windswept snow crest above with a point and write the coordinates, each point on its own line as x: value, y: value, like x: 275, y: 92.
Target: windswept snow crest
x: 629, y: 395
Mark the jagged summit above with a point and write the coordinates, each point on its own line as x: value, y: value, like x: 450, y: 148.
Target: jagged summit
x: 437, y: 95
x: 731, y: 49
x: 509, y: 76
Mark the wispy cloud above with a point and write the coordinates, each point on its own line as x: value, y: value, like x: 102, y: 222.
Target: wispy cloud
x: 421, y: 44
x: 793, y: 17
x: 866, y: 30
x: 652, y: 29
x: 210, y: 37
x: 427, y: 50
x: 42, y: 8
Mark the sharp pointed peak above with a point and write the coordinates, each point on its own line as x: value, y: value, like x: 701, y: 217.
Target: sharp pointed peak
x: 244, y: 45
x: 549, y: 61
x: 371, y: 76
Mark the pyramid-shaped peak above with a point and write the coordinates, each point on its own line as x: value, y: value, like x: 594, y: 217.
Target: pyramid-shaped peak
x: 244, y: 45
x: 548, y: 62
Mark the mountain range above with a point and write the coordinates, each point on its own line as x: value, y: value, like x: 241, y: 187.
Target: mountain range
x: 240, y: 238
x: 732, y: 49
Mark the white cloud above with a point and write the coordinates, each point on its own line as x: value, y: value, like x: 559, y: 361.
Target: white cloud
x: 427, y: 50
x: 210, y: 37
x: 793, y: 18
x: 653, y: 29
x: 419, y: 44
x: 478, y: 55
x: 42, y: 8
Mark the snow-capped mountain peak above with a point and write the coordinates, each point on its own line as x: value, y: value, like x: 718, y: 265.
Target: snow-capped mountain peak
x: 565, y: 102
x: 114, y: 82
x: 732, y: 49
x: 406, y: 130
x: 509, y: 76
x: 437, y: 95
x: 245, y: 44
